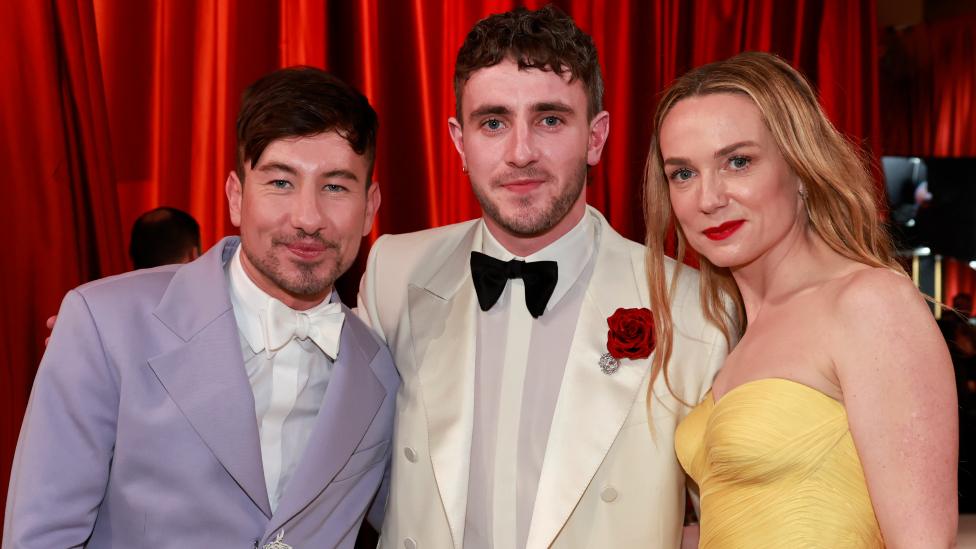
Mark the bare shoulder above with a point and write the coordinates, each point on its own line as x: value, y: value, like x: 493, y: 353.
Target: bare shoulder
x: 875, y: 294
x: 881, y: 322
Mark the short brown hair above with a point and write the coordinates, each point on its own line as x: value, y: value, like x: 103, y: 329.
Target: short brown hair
x: 299, y: 102
x: 545, y: 39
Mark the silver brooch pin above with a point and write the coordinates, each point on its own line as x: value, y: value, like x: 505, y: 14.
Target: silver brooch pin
x: 608, y: 364
x: 277, y: 543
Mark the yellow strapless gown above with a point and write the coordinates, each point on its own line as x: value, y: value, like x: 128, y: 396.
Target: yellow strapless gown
x: 776, y: 466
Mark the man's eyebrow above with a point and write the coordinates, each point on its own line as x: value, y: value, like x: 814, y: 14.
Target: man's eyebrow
x: 277, y: 167
x: 489, y: 109
x: 552, y: 106
x: 729, y: 148
x: 340, y: 174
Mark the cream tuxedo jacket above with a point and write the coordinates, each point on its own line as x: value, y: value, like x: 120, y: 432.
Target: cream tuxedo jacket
x: 606, y: 481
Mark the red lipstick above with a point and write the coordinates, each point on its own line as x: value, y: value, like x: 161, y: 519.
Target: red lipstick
x: 724, y: 230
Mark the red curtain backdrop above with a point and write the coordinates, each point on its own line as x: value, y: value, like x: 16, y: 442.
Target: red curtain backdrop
x: 957, y: 278
x: 930, y: 70
x: 61, y: 223
x: 929, y: 75
x: 112, y: 107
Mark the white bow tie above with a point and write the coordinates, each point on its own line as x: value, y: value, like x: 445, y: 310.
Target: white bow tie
x: 323, y: 326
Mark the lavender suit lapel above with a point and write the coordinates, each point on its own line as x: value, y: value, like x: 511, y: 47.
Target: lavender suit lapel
x: 352, y: 399
x: 205, y: 377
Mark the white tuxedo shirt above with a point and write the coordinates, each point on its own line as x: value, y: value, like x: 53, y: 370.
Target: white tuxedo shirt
x: 519, y: 366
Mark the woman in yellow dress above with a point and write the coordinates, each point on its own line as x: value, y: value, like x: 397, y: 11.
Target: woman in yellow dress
x: 833, y: 422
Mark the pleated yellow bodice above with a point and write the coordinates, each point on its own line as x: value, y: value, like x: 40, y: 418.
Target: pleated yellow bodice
x: 776, y: 466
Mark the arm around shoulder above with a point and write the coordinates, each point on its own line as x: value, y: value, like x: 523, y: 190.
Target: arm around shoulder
x: 61, y: 465
x: 899, y: 392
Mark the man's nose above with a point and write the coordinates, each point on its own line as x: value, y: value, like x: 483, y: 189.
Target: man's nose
x: 522, y: 147
x: 307, y: 212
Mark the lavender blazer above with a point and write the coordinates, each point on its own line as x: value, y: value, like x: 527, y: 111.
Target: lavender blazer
x: 141, y: 430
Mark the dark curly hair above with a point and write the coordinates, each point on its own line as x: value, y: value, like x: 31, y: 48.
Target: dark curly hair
x: 545, y: 39
x: 301, y: 102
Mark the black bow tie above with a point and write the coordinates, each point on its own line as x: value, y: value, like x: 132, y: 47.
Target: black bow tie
x: 490, y: 276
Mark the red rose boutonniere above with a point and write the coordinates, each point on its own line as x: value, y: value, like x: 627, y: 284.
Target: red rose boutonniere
x: 631, y: 335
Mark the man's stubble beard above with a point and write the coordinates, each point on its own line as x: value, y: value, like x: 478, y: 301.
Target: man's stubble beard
x: 307, y: 283
x: 528, y: 221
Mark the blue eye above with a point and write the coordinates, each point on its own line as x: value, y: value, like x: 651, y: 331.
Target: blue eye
x: 683, y: 174
x: 280, y: 184
x: 739, y: 162
x: 551, y: 121
x: 492, y: 124
x: 334, y: 188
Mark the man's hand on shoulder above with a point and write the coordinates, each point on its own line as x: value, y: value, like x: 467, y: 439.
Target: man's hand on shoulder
x: 50, y: 326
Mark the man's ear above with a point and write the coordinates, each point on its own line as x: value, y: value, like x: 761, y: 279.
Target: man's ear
x: 599, y: 131
x: 373, y: 199
x: 235, y: 193
x: 457, y: 136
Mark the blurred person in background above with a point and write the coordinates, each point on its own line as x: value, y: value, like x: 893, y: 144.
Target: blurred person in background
x: 163, y: 236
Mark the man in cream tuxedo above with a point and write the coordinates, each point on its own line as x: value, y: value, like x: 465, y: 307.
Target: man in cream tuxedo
x: 508, y: 432
x: 232, y: 401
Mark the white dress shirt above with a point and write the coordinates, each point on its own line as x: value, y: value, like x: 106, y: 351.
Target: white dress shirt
x: 289, y: 384
x: 519, y: 368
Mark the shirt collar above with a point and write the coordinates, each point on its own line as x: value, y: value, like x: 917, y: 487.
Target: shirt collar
x: 571, y: 252
x: 250, y: 302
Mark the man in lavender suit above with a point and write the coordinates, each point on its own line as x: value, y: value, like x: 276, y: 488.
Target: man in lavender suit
x: 232, y: 401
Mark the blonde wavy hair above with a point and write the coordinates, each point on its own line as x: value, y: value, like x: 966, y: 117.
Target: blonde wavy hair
x: 842, y: 202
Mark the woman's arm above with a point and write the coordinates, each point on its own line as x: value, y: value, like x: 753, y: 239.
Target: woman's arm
x: 899, y: 391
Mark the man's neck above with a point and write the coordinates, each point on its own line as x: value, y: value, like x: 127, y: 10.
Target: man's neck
x: 524, y: 246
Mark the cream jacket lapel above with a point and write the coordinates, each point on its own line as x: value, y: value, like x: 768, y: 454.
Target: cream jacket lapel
x: 443, y: 324
x: 592, y: 406
x: 417, y: 295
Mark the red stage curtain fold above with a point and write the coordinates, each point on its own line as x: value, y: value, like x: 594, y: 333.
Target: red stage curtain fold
x: 62, y: 220
x: 930, y: 70
x: 113, y: 107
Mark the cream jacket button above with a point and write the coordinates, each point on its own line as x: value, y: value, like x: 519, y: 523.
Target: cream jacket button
x: 608, y: 494
x: 408, y: 543
x: 411, y: 456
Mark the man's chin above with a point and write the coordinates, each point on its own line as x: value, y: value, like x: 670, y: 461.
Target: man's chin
x: 526, y: 228
x: 527, y: 222
x: 306, y: 284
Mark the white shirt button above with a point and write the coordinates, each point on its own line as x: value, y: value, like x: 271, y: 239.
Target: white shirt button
x: 411, y: 456
x: 608, y: 494
x: 409, y: 543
